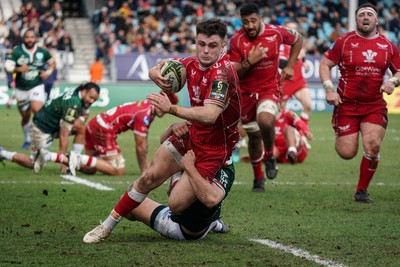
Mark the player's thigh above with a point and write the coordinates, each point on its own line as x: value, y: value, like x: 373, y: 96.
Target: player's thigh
x: 303, y: 95
x: 162, y: 166
x: 182, y: 196
x: 372, y: 136
x: 347, y: 145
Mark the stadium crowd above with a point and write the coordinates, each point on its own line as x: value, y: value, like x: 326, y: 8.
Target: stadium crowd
x: 168, y: 26
x: 163, y: 26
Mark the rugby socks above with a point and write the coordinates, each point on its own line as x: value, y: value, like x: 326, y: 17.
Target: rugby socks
x: 86, y: 160
x: 368, y: 167
x: 129, y: 201
x: 78, y: 148
x: 26, y: 130
x: 54, y: 157
x: 257, y: 166
x: 304, y: 117
x: 7, y: 154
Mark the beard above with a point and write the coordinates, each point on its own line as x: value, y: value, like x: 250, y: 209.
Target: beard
x: 29, y: 45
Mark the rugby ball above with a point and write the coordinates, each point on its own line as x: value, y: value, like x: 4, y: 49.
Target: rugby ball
x: 176, y: 73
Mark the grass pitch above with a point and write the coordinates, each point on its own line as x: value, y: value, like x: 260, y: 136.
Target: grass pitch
x: 308, y: 208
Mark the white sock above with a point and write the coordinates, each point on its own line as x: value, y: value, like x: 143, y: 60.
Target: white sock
x: 86, y: 160
x: 77, y: 148
x: 26, y: 130
x: 304, y: 116
x: 54, y: 157
x: 110, y: 222
x: 7, y: 154
x: 292, y: 149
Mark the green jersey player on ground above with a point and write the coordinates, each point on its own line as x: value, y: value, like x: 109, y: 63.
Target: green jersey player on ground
x: 59, y: 118
x: 27, y: 61
x: 196, y: 221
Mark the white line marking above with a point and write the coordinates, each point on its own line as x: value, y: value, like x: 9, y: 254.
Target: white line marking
x: 78, y: 180
x: 298, y: 253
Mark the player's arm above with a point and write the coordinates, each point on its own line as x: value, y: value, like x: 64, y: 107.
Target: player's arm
x: 179, y: 129
x: 256, y: 54
x: 206, y: 114
x: 65, y: 130
x: 325, y: 67
x: 287, y: 72
x: 207, y: 193
x: 155, y: 76
x: 141, y: 152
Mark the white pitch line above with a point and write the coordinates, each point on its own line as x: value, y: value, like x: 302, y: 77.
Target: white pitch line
x: 78, y: 180
x: 298, y: 253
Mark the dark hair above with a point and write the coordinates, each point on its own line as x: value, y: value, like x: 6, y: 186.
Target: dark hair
x: 212, y: 26
x: 367, y: 5
x: 87, y: 87
x: 248, y: 9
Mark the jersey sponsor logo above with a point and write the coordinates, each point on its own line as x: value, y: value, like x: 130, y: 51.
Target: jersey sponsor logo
x: 344, y: 128
x: 246, y: 44
x: 223, y: 178
x: 146, y: 121
x: 369, y: 55
x: 22, y: 60
x: 217, y: 65
x: 39, y: 56
x: 354, y: 45
x: 71, y: 115
x: 272, y: 38
x: 204, y: 80
x: 196, y: 94
x: 382, y: 46
x: 219, y: 90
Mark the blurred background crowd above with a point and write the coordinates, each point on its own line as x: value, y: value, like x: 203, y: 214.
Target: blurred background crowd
x: 168, y: 26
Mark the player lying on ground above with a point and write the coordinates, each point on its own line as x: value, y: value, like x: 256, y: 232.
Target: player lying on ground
x: 193, y: 222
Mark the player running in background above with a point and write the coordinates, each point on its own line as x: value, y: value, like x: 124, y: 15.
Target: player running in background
x: 58, y: 118
x: 297, y: 86
x: 27, y: 61
x: 363, y: 57
x: 255, y: 51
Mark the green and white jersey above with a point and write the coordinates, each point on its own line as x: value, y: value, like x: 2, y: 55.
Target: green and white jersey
x: 197, y: 216
x: 67, y: 107
x: 35, y: 60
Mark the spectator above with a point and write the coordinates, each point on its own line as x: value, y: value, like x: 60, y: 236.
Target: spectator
x: 96, y: 71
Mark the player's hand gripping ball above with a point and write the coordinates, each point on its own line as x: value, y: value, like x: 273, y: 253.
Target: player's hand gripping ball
x: 176, y: 73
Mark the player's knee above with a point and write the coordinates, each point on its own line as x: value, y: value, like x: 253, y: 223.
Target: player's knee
x: 175, y: 206
x: 88, y: 170
x: 119, y: 172
x: 346, y: 153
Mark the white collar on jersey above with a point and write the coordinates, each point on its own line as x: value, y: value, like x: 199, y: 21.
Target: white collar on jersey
x: 370, y: 37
